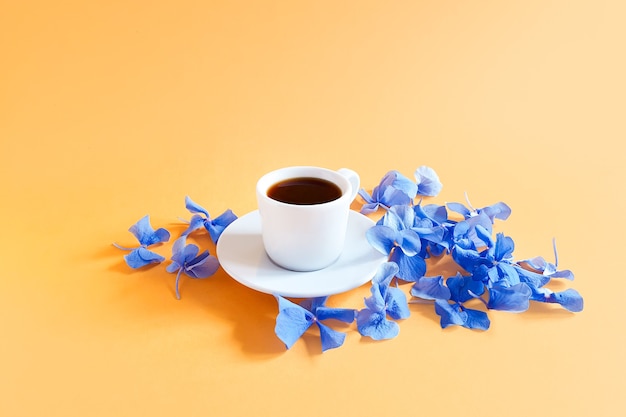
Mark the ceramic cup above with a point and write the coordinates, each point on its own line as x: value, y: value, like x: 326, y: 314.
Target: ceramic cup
x: 305, y: 237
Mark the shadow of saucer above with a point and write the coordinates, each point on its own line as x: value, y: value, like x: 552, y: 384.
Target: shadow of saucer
x: 252, y: 314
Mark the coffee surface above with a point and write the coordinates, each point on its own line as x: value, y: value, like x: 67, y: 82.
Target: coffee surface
x: 304, y: 191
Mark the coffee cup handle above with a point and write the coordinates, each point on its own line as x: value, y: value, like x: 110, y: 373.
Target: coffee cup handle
x: 353, y: 179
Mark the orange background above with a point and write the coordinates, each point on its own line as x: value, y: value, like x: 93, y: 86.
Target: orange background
x: 110, y: 110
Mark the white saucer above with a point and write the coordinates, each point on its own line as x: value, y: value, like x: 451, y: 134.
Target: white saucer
x: 241, y: 254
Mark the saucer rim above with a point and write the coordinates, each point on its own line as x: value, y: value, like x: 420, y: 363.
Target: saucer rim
x: 349, y: 284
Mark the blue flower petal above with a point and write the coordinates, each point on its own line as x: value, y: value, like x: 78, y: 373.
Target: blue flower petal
x: 189, y: 252
x: 537, y: 263
x: 514, y: 299
x: 490, y: 276
x: 375, y: 324
x: 196, y: 222
x: 366, y: 197
x: 476, y: 319
x: 484, y: 235
x: 398, y: 217
x: 428, y: 183
x: 173, y: 267
x: 142, y: 230
x: 409, y: 242
x: 434, y: 212
x: 569, y: 299
x: 397, y: 305
x: 461, y: 230
x: 203, y: 266
x: 508, y: 273
x: 345, y: 315
x: 548, y: 269
x: 146, y: 235
x: 468, y: 259
x: 430, y: 288
x: 459, y: 208
x: 434, y: 234
x: 369, y: 208
x: 450, y: 314
x: 312, y: 304
x: 533, y: 279
x: 178, y: 251
x: 504, y: 247
x: 194, y: 207
x: 141, y: 257
x: 394, y: 197
x: 497, y: 211
x: 384, y: 274
x: 160, y: 235
x: 410, y: 268
x: 460, y: 288
x: 217, y: 225
x: 292, y: 321
x: 402, y: 183
x: 382, y: 238
x: 480, y: 219
x: 376, y: 302
x: 331, y: 339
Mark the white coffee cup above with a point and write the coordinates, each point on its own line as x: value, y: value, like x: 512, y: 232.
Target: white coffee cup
x: 305, y: 237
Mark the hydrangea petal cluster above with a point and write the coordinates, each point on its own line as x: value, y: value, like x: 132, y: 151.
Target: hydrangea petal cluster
x: 294, y: 320
x: 185, y: 259
x: 147, y: 236
x: 385, y: 301
x: 495, y: 278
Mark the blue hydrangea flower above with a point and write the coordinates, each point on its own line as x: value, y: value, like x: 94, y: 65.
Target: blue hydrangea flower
x: 514, y: 298
x: 465, y: 230
x: 431, y: 288
x: 449, y: 300
x: 428, y: 183
x: 491, y: 264
x: 495, y: 211
x: 394, y: 236
x: 551, y: 270
x: 201, y: 218
x: 146, y: 236
x: 294, y: 319
x: 464, y: 288
x: 394, y: 189
x: 494, y: 267
x: 385, y: 301
x: 455, y: 314
x: 185, y: 259
x: 407, y: 238
x: 435, y: 230
x: 511, y: 285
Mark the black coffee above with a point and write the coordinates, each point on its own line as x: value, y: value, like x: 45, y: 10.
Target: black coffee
x: 304, y: 191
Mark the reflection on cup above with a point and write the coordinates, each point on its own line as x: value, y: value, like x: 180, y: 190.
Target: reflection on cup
x: 304, y: 215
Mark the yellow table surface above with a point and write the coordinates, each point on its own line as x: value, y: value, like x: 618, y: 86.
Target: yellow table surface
x: 111, y: 110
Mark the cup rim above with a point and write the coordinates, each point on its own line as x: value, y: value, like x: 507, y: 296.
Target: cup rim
x: 272, y: 177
